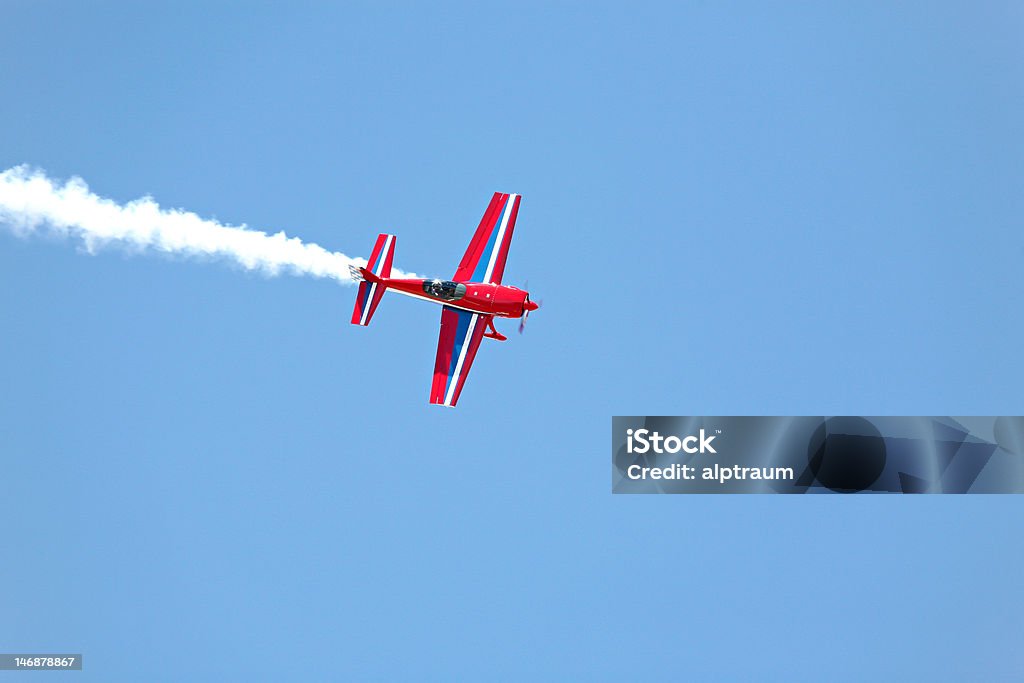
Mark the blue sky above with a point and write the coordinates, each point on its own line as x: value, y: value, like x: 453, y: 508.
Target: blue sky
x: 728, y: 209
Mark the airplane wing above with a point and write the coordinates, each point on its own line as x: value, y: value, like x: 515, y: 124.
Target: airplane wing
x: 485, y: 258
x: 461, y: 332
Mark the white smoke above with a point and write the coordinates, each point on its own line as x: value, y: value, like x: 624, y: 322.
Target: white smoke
x: 31, y: 202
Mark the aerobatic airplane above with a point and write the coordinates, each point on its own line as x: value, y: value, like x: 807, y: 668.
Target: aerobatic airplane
x: 472, y: 299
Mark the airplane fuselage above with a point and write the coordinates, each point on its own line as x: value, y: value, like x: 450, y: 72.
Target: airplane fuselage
x: 501, y: 301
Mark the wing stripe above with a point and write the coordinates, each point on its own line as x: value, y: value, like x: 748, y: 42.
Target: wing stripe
x: 366, y: 302
x: 496, y: 247
x: 462, y: 335
x: 378, y: 263
x: 484, y: 268
x: 502, y: 249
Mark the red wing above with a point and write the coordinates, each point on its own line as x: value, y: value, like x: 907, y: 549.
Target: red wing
x: 484, y: 260
x: 461, y: 332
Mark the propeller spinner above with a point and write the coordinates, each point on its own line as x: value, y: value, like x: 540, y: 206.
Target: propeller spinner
x: 527, y: 307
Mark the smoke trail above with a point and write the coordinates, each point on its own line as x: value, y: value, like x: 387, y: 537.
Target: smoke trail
x: 30, y: 202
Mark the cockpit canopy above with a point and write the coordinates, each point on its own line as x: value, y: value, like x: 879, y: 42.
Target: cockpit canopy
x: 444, y: 289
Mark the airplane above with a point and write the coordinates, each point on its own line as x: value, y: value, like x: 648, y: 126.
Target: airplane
x: 471, y: 300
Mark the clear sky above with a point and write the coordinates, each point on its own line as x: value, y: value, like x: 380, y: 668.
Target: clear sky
x: 727, y: 209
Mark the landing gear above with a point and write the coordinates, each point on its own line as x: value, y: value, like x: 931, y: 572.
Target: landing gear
x: 491, y: 332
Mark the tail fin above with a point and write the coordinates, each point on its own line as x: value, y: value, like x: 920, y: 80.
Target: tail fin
x: 374, y: 279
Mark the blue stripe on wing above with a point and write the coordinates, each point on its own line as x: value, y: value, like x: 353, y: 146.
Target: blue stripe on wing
x: 376, y: 262
x: 364, y: 296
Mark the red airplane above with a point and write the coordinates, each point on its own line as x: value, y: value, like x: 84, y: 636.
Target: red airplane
x: 472, y: 299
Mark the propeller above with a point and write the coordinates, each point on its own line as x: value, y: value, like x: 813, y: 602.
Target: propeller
x: 527, y: 307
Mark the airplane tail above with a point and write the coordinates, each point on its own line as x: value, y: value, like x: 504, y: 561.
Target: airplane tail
x: 373, y: 279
